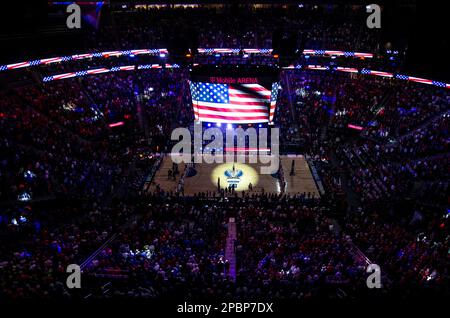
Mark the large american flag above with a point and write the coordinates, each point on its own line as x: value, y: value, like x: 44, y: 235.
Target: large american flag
x: 228, y: 103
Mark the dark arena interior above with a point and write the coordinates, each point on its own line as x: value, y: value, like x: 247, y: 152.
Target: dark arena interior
x: 110, y: 114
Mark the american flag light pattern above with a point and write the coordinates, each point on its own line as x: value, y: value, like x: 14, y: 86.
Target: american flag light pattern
x: 228, y: 103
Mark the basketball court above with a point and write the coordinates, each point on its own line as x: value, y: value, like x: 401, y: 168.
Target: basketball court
x: 242, y: 176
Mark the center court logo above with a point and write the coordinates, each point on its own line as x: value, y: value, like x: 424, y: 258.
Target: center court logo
x: 250, y: 144
x: 233, y: 176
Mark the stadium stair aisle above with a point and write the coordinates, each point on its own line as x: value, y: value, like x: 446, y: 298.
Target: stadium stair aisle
x: 353, y: 199
x: 230, y: 253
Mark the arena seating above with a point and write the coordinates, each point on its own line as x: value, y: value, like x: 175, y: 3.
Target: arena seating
x: 71, y: 182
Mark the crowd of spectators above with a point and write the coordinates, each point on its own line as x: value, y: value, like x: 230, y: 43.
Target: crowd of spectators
x: 395, y: 169
x: 339, y: 28
x: 286, y: 248
x: 292, y: 244
x: 413, y: 249
x: 70, y: 182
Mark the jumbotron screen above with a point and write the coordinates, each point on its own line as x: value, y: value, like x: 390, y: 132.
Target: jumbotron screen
x: 234, y: 98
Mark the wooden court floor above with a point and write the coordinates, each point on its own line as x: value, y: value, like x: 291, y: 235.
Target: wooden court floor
x: 208, y: 177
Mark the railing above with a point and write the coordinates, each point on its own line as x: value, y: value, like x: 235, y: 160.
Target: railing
x: 315, y: 175
x: 358, y: 254
x: 98, y: 251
